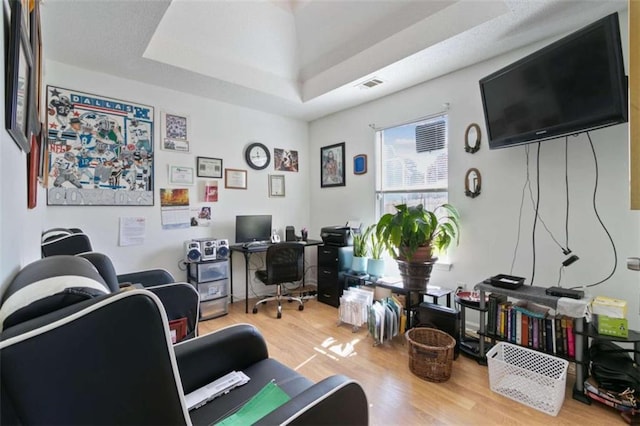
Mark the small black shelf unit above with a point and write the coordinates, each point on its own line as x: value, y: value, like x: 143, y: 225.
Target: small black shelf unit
x: 633, y: 339
x: 470, y: 345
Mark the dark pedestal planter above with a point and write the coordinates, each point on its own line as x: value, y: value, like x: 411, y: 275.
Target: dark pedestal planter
x: 415, y: 275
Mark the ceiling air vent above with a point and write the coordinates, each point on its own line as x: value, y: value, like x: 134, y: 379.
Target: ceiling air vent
x: 370, y: 83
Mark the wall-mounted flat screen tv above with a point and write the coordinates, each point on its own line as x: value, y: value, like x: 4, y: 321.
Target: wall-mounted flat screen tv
x: 573, y: 85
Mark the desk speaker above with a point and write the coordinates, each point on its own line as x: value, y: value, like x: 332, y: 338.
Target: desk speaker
x: 290, y: 233
x: 192, y: 251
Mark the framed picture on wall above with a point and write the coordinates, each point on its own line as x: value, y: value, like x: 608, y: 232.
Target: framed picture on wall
x: 111, y: 165
x: 332, y: 165
x: 360, y: 164
x: 209, y: 167
x: 285, y: 160
x: 19, y: 80
x: 276, y: 185
x: 235, y: 179
x: 175, y: 128
x: 180, y: 175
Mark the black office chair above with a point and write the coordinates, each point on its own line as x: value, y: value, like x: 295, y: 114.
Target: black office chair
x: 285, y: 263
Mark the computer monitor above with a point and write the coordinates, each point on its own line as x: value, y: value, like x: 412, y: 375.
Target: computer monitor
x: 253, y: 228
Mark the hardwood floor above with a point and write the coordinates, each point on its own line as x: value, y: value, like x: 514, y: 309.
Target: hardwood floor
x: 312, y: 342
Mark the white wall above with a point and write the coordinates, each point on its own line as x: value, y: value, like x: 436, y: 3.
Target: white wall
x: 19, y: 227
x: 217, y: 130
x: 489, y: 222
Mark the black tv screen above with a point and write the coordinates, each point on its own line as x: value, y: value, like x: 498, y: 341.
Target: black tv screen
x: 573, y: 85
x: 253, y: 228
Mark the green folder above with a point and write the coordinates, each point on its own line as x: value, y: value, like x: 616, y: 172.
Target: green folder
x: 268, y: 399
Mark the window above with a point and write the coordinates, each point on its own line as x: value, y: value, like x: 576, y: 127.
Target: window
x: 412, y: 164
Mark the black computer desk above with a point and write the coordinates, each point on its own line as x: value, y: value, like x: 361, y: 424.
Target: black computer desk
x: 247, y: 252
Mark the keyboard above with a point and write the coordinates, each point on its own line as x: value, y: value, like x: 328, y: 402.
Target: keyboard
x: 256, y: 244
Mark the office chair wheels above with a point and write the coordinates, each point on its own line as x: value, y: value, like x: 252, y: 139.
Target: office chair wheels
x: 255, y: 310
x: 301, y: 307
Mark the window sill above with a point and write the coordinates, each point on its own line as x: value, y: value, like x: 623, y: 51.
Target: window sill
x: 443, y: 266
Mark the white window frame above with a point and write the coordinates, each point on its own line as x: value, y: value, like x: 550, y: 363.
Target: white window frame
x: 418, y: 193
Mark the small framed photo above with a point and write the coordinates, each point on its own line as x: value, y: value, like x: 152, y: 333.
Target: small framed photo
x: 209, y: 167
x: 285, y: 160
x: 332, y: 165
x: 360, y: 164
x: 276, y: 185
x: 175, y: 132
x: 235, y: 179
x: 181, y: 175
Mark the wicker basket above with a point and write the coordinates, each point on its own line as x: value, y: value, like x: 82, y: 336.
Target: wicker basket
x: 430, y: 353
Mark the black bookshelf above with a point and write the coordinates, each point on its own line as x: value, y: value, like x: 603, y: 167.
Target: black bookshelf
x: 538, y: 295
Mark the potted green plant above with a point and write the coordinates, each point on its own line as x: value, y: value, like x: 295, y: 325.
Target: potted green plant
x: 413, y: 234
x: 360, y: 250
x: 375, y: 265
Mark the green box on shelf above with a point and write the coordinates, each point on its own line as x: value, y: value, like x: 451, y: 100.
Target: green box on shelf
x: 617, y: 327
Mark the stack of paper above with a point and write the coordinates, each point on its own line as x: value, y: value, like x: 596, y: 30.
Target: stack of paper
x: 201, y: 396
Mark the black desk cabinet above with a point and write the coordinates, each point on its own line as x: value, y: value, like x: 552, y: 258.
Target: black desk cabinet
x: 333, y: 261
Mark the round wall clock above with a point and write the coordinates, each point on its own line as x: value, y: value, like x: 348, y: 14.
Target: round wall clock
x: 257, y: 156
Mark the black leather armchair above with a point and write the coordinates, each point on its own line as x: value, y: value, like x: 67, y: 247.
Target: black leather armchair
x: 180, y: 300
x: 115, y: 281
x: 57, y: 281
x: 64, y: 241
x: 109, y: 360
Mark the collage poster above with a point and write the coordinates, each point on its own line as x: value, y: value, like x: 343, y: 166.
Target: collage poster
x: 100, y: 150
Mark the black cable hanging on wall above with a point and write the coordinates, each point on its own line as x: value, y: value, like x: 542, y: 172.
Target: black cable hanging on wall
x: 595, y: 210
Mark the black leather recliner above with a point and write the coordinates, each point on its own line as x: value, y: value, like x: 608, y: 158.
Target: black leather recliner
x: 109, y: 360
x: 180, y: 300
x: 59, y: 241
x: 57, y: 281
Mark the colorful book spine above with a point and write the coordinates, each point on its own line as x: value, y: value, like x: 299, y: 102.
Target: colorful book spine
x: 553, y: 335
x: 525, y: 330
x: 571, y: 344
x: 535, y: 333
x: 559, y: 350
x: 548, y: 336
x: 565, y: 349
x: 508, y: 330
x: 541, y: 343
x: 491, y: 315
x: 518, y: 327
x: 503, y: 319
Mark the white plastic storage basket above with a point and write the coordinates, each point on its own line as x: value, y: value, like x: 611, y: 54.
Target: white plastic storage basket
x: 530, y: 377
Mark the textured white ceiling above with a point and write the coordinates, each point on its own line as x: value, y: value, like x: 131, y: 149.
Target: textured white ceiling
x: 298, y: 58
